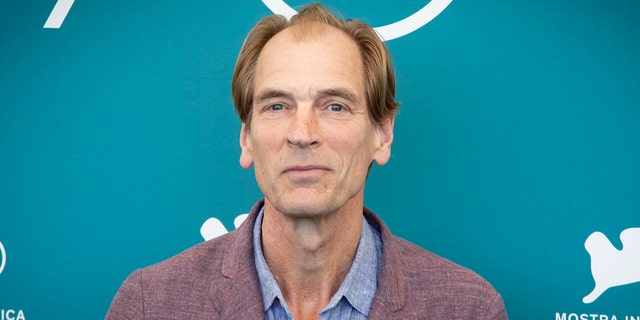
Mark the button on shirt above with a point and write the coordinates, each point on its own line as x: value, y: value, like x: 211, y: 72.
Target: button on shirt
x: 353, y: 299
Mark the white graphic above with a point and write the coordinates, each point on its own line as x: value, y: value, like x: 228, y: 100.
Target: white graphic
x: 3, y: 257
x: 213, y: 228
x: 612, y: 267
x: 58, y: 14
x: 388, y: 32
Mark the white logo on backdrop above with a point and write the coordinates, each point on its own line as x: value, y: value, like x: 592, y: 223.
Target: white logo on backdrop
x: 58, y: 14
x: 388, y: 32
x: 3, y: 257
x: 611, y: 267
x: 213, y: 227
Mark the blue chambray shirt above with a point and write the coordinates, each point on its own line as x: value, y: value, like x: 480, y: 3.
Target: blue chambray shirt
x: 353, y: 299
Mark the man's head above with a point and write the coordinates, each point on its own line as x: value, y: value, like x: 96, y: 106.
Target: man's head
x: 376, y: 62
x: 310, y: 128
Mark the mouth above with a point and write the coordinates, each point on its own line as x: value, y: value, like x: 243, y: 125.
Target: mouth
x: 305, y: 169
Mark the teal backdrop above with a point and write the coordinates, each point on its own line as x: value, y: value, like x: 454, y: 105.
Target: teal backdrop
x: 518, y: 137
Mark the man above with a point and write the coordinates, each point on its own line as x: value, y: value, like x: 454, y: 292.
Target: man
x: 316, y: 100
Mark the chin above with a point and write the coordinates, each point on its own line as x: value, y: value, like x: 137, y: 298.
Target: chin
x: 309, y: 203
x: 304, y: 209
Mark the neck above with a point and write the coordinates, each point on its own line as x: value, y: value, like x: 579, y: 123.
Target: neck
x: 310, y: 256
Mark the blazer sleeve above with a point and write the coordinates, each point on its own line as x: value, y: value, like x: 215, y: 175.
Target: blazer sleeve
x: 128, y: 303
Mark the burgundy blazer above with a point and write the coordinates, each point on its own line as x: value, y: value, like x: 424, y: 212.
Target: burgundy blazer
x: 217, y: 280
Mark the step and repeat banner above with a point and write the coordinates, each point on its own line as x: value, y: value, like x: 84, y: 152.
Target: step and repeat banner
x: 516, y: 152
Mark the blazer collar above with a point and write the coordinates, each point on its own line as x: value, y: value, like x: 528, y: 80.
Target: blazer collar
x: 238, y: 296
x: 238, y: 257
x: 391, y: 296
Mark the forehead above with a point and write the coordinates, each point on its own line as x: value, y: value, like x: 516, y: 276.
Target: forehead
x: 323, y: 56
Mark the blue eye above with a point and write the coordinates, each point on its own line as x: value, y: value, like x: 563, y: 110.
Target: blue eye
x: 336, y: 107
x: 276, y: 107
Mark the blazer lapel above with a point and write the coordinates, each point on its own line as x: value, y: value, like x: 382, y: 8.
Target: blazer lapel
x: 391, y: 296
x: 239, y: 296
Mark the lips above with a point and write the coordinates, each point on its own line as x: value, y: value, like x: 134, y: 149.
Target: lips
x: 304, y: 168
x: 305, y: 175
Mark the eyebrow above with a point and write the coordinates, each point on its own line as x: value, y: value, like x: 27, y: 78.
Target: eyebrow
x: 343, y: 93
x: 267, y: 94
x: 340, y: 92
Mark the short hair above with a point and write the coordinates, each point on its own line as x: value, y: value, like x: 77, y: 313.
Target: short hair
x: 379, y: 78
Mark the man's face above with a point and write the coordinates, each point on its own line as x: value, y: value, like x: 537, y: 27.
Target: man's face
x: 311, y: 140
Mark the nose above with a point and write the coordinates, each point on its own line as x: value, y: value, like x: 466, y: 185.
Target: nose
x: 303, y: 132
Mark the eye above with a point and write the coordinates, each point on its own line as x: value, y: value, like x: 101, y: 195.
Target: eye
x: 336, y: 107
x: 276, y: 107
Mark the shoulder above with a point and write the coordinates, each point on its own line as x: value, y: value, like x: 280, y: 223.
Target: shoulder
x: 425, y: 284
x: 217, y: 277
x: 203, y: 258
x: 437, y: 286
x: 423, y: 268
x: 179, y: 285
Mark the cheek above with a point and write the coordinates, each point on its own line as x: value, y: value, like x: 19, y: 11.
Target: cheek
x: 356, y: 149
x: 265, y: 148
x: 361, y: 139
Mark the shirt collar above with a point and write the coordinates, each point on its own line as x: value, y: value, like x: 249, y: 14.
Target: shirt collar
x: 359, y: 286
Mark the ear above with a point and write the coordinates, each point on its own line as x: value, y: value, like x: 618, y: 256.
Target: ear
x: 246, y: 158
x: 383, y: 152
